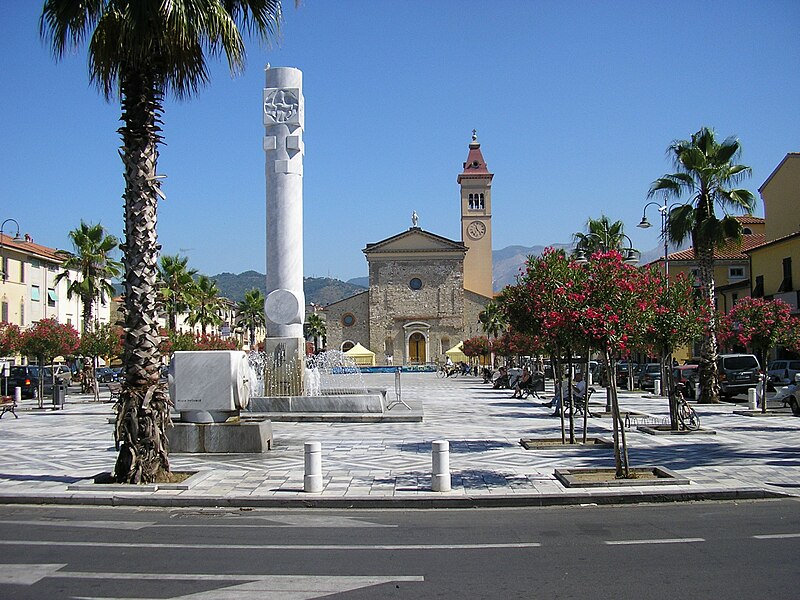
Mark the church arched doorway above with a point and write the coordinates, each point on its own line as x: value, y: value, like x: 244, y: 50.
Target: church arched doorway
x: 416, y: 348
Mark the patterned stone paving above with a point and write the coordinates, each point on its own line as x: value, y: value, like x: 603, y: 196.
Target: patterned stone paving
x: 44, y: 452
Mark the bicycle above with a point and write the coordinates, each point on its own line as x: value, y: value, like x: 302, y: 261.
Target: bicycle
x: 687, y: 417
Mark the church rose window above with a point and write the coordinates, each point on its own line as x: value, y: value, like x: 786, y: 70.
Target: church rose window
x: 415, y: 284
x: 348, y: 320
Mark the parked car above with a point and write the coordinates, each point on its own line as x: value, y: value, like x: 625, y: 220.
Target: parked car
x: 26, y: 377
x: 105, y: 375
x: 782, y: 372
x: 626, y: 370
x: 737, y: 373
x: 648, y: 375
x: 686, y: 376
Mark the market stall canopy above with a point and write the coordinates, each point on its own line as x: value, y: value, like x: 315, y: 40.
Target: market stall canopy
x: 361, y: 355
x: 456, y: 353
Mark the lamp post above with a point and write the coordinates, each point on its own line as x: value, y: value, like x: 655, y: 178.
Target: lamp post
x: 645, y: 224
x: 629, y: 255
x: 16, y: 238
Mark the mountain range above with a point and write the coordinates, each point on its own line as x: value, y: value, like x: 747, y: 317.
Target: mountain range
x: 506, y: 265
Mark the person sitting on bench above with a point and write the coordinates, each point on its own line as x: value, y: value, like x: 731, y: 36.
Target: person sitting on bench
x: 578, y: 392
x: 523, y: 381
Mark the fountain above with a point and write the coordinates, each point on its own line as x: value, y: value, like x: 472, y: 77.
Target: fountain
x: 331, y: 383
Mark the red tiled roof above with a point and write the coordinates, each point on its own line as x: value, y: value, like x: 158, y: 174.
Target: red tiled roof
x: 750, y: 220
x: 475, y: 165
x: 31, y: 248
x: 731, y: 251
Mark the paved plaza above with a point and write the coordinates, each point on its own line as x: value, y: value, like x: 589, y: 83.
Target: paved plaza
x: 51, y: 456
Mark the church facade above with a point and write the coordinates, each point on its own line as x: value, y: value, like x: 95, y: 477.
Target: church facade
x: 425, y: 291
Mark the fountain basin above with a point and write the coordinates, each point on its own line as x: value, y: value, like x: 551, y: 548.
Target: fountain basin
x: 340, y: 401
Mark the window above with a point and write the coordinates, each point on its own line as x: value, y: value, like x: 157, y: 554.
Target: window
x: 35, y: 297
x: 415, y: 283
x: 348, y: 320
x: 22, y: 313
x: 786, y: 284
x: 734, y: 298
x: 758, y: 290
x: 735, y: 272
x: 4, y: 312
x: 51, y: 297
x: 4, y: 267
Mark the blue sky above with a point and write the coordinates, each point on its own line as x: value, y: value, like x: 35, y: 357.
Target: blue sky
x: 575, y: 104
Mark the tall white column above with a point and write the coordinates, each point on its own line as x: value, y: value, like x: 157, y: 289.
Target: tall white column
x: 283, y: 146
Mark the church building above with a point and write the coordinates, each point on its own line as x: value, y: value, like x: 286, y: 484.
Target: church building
x: 425, y: 291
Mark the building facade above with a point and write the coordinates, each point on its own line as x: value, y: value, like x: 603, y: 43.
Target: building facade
x: 28, y: 291
x: 425, y: 291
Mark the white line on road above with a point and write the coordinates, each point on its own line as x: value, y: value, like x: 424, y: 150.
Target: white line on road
x: 272, y: 546
x: 128, y: 525
x: 655, y: 541
x: 776, y: 536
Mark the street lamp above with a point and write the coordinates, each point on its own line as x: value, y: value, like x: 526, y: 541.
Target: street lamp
x: 629, y: 255
x: 16, y: 238
x: 645, y: 224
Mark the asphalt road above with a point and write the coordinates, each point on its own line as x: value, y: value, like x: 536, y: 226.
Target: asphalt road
x: 702, y: 550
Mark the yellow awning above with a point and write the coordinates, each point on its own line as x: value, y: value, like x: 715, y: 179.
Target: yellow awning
x: 456, y: 353
x: 361, y: 355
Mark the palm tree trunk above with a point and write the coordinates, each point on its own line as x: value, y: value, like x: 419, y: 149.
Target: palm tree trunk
x: 709, y: 381
x: 143, y: 407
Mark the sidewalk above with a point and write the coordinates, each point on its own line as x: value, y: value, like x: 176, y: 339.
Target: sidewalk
x: 51, y: 456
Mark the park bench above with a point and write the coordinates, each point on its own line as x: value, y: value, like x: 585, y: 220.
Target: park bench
x: 7, y: 404
x: 114, y: 389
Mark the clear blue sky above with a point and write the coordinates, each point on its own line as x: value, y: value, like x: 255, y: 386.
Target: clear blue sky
x: 575, y: 104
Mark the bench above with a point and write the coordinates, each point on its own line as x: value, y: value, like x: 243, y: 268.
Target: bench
x: 7, y: 404
x: 114, y: 389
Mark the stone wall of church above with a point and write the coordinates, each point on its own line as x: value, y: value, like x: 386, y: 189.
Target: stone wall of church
x: 348, y: 321
x: 473, y: 306
x: 435, y: 309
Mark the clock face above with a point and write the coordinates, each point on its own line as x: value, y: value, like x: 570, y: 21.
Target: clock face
x: 476, y: 230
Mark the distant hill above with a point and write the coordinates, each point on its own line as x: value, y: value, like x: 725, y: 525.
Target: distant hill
x: 507, y: 262
x: 319, y: 290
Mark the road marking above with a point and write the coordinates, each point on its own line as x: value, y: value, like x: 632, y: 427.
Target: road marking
x: 288, y: 521
x: 272, y: 546
x: 255, y: 587
x: 128, y: 525
x: 777, y: 536
x: 655, y: 541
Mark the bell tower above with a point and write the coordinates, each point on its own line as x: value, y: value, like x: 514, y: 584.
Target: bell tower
x: 476, y: 220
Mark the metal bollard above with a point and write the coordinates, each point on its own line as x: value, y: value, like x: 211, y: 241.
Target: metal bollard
x: 440, y: 455
x: 312, y: 482
x: 697, y: 391
x: 656, y: 387
x: 751, y: 399
x: 17, y: 395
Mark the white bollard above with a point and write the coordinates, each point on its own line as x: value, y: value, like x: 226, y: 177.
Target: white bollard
x: 751, y: 399
x: 657, y: 387
x: 697, y: 391
x: 440, y: 478
x: 17, y: 395
x: 312, y: 482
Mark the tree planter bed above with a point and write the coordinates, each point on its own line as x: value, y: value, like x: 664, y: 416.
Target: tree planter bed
x: 605, y: 477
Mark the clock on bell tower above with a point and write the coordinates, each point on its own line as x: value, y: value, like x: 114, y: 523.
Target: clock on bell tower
x: 476, y: 220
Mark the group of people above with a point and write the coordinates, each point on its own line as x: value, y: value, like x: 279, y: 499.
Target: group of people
x: 502, y: 379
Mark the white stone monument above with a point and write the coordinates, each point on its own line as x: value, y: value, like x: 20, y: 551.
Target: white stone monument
x: 285, y: 304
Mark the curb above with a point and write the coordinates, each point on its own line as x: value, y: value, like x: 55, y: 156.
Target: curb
x: 427, y: 502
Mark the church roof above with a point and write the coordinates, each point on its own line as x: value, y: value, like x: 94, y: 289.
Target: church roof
x: 415, y: 239
x: 475, y: 166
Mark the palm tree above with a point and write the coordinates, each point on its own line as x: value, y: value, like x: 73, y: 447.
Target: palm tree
x: 94, y: 266
x: 141, y: 51
x: 206, y: 308
x: 176, y: 287
x: 493, y: 321
x: 705, y: 171
x: 601, y: 235
x: 315, y: 328
x: 251, y: 314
